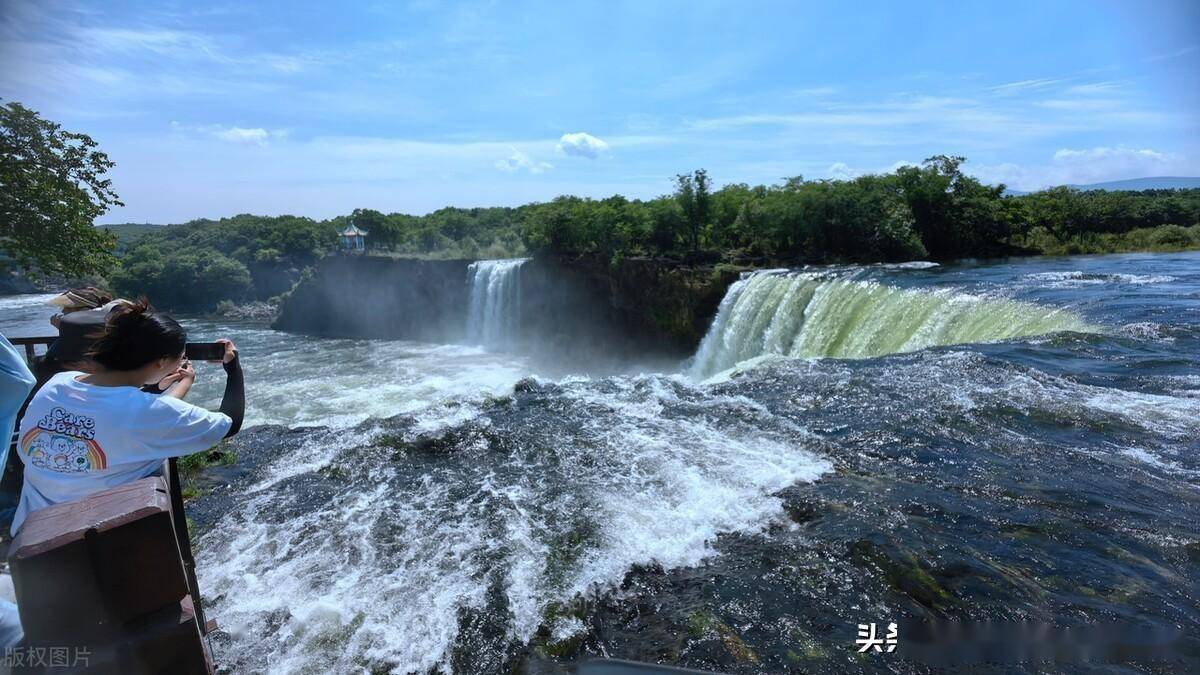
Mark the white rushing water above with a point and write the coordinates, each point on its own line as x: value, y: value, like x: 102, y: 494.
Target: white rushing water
x: 606, y: 474
x: 602, y: 475
x: 354, y: 551
x: 494, y: 306
x: 300, y: 380
x: 814, y: 315
x: 27, y: 315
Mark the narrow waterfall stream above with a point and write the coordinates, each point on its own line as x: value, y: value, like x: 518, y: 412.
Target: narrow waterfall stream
x: 495, y: 302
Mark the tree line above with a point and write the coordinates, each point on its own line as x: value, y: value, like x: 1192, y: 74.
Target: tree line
x: 55, y: 186
x: 929, y: 211
x: 932, y: 211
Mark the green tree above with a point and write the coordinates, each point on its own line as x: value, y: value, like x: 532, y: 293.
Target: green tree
x: 380, y: 235
x: 193, y: 279
x: 728, y: 204
x: 955, y: 214
x: 692, y: 191
x: 668, y: 223
x: 52, y: 189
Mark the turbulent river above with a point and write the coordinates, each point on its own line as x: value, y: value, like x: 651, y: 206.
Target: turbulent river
x: 1007, y: 442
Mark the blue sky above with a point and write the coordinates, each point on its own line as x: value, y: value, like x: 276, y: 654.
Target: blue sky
x: 213, y: 109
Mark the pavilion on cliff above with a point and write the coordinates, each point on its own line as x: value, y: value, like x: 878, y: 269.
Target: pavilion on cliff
x: 352, y: 238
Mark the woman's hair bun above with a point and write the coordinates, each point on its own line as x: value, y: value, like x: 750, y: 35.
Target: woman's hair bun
x: 129, y: 308
x: 134, y: 335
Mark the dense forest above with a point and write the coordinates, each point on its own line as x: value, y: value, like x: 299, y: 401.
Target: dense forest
x: 933, y: 211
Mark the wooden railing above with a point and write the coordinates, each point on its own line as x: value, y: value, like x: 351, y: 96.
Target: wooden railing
x: 182, y: 535
x: 29, y: 343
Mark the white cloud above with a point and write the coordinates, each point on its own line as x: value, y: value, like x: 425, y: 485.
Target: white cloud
x: 519, y: 160
x: 815, y: 92
x: 990, y: 122
x: 1116, y: 97
x: 893, y: 121
x: 164, y: 42
x: 1026, y: 85
x: 1071, y: 166
x: 581, y: 145
x: 841, y: 171
x: 1173, y: 55
x: 254, y: 136
x: 1091, y: 165
x: 1096, y: 89
x: 1081, y: 104
x: 1123, y: 155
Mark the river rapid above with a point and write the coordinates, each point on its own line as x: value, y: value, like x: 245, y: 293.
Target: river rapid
x: 1013, y: 442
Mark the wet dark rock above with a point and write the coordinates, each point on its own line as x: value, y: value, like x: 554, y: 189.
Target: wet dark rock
x: 533, y: 663
x: 442, y: 443
x: 576, y: 307
x: 656, y: 303
x: 1193, y: 552
x: 903, y: 571
x: 526, y: 385
x: 250, y: 311
x: 14, y: 282
x: 334, y: 472
x: 378, y: 297
x: 802, y: 508
x: 704, y: 625
x: 484, y: 645
x: 253, y: 449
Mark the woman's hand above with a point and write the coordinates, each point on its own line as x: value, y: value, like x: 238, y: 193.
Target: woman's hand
x: 186, y: 371
x: 179, y: 383
x: 230, y: 350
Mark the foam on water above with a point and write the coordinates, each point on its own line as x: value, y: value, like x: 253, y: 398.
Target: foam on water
x: 968, y: 381
x: 910, y: 265
x: 307, y: 381
x: 638, y: 471
x: 968, y: 385
x: 1146, y: 457
x: 26, y: 315
x: 1146, y: 330
x: 1077, y: 278
x: 20, y: 301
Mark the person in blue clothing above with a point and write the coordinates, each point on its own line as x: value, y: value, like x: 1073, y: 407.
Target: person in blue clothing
x: 16, y: 381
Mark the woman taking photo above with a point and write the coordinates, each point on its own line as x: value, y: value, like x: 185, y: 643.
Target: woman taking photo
x: 87, y: 432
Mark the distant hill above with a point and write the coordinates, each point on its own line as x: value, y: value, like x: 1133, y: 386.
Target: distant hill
x: 1151, y: 183
x: 128, y: 232
x: 1130, y: 184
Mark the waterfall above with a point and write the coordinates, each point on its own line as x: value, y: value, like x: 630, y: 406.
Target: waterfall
x: 494, y: 307
x: 808, y: 316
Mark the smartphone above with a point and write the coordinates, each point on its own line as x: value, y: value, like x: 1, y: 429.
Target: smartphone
x: 205, y: 351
